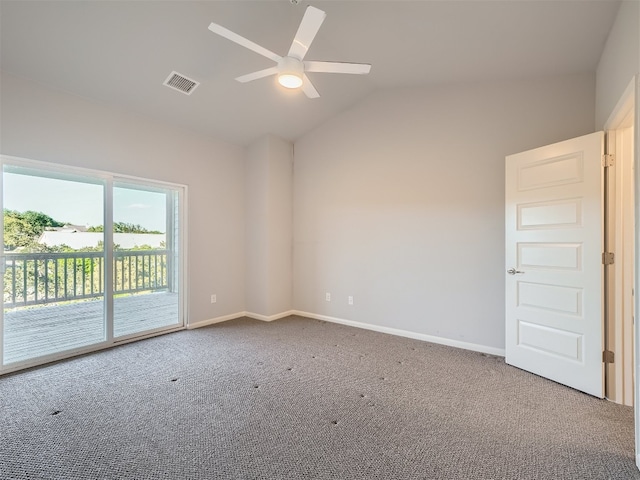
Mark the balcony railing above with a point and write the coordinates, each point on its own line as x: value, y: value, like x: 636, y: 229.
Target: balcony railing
x: 38, y: 278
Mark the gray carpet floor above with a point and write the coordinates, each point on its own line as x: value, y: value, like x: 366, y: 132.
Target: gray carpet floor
x: 302, y: 399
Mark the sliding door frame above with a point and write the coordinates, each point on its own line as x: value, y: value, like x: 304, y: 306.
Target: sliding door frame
x: 108, y: 179
x: 170, y: 224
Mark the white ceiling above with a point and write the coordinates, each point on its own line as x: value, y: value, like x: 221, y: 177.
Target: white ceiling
x: 120, y: 52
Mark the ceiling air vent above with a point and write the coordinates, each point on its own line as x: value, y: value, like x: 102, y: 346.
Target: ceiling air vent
x: 181, y: 83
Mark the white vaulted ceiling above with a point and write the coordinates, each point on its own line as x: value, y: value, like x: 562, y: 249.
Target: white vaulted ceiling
x: 120, y: 52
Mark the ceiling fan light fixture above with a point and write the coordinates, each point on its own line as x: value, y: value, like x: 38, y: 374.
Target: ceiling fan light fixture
x: 290, y: 72
x: 291, y: 69
x: 290, y: 80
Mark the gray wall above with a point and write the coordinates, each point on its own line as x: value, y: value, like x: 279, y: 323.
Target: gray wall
x: 619, y: 62
x: 399, y: 202
x: 268, y: 203
x: 42, y: 124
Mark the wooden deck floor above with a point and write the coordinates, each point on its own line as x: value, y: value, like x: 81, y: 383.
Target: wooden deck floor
x: 43, y: 330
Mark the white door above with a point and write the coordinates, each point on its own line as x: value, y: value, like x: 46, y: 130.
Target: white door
x: 554, y: 241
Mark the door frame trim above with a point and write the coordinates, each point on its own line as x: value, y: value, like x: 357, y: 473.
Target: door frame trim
x: 629, y: 103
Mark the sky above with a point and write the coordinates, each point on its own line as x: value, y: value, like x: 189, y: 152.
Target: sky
x: 81, y: 203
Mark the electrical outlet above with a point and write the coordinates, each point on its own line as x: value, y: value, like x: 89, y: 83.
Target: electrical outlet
x: 214, y: 298
x: 350, y: 300
x: 327, y: 297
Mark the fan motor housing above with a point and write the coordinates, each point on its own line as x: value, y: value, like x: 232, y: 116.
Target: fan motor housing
x: 290, y: 65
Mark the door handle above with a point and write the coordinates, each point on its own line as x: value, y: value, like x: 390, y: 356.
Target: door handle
x: 513, y: 271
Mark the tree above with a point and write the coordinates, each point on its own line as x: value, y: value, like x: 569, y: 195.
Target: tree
x: 18, y: 232
x: 40, y: 219
x: 123, y: 227
x: 23, y: 229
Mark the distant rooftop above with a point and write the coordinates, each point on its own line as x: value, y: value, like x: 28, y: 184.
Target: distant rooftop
x: 77, y: 239
x: 68, y: 228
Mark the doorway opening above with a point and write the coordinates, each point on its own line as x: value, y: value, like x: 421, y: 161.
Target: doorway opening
x: 621, y: 238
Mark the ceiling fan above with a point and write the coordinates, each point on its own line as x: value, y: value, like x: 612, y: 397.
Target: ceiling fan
x: 292, y: 68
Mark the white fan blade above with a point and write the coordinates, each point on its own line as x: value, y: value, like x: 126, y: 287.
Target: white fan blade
x: 309, y: 26
x: 308, y: 88
x: 234, y: 37
x: 337, y: 67
x: 256, y: 75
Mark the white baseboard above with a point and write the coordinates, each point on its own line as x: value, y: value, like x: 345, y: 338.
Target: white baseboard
x: 268, y: 318
x: 405, y: 333
x: 233, y: 316
x: 211, y: 321
x: 376, y: 328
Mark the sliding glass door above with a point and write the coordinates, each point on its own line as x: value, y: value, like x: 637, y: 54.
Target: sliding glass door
x: 89, y: 260
x: 53, y: 282
x: 145, y: 254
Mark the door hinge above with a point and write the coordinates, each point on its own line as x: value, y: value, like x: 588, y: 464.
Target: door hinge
x: 607, y: 258
x: 608, y: 160
x: 607, y: 356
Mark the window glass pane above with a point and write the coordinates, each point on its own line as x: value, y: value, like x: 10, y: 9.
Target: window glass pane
x: 54, y: 263
x: 145, y: 280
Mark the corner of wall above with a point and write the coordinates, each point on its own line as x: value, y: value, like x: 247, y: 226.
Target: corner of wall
x: 619, y: 62
x: 268, y: 226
